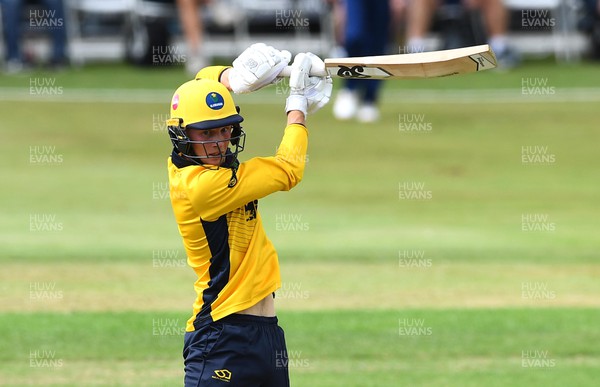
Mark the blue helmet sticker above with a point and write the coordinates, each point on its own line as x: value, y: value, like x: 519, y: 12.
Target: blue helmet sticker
x: 214, y: 100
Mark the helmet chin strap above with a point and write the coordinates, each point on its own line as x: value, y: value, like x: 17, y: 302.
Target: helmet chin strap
x: 232, y: 162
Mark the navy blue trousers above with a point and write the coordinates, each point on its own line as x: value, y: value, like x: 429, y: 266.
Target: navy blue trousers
x: 367, y: 33
x: 237, y: 351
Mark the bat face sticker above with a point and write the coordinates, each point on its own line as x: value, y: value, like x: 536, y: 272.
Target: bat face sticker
x: 358, y: 72
x: 351, y: 72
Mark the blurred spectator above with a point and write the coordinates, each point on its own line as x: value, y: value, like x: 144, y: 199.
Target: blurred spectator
x: 366, y: 32
x: 190, y: 16
x: 338, y: 11
x: 590, y: 24
x: 495, y: 17
x: 51, y: 18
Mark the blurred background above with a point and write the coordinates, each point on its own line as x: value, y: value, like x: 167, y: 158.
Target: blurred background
x: 129, y: 30
x: 445, y: 232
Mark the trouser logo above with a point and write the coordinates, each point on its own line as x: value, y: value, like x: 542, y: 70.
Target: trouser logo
x: 223, y: 375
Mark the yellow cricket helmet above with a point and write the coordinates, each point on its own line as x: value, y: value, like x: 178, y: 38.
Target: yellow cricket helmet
x: 203, y: 104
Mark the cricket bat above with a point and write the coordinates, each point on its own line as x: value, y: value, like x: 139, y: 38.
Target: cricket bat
x: 409, y: 66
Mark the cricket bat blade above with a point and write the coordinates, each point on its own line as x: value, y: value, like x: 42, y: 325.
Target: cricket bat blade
x: 409, y: 66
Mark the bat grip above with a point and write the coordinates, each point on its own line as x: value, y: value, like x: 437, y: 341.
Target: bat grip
x: 313, y: 72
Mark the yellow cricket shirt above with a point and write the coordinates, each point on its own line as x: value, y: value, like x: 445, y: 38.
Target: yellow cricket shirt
x: 226, y: 245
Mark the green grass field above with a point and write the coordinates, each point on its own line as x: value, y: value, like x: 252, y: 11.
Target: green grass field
x: 463, y: 253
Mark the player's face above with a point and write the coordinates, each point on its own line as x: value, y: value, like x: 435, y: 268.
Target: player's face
x: 213, y: 144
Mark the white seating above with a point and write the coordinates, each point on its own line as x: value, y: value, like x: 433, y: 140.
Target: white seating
x: 557, y: 32
x: 83, y: 48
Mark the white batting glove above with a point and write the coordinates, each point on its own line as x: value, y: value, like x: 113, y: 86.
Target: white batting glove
x: 318, y: 90
x: 298, y: 83
x: 257, y: 67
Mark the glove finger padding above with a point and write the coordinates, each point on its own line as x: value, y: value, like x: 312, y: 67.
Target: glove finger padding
x: 317, y: 64
x: 298, y: 82
x: 257, y: 67
x: 299, y: 75
x: 318, y: 93
x: 318, y: 89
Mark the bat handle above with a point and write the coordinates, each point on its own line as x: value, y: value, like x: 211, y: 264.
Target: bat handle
x: 315, y: 72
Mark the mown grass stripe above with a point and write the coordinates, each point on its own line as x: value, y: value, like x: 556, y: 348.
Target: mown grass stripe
x: 326, y: 348
x: 270, y: 97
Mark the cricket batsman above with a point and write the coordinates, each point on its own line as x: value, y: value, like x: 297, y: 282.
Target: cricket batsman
x: 233, y: 338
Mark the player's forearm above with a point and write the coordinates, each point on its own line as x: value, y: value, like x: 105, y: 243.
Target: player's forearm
x: 296, y: 117
x: 291, y: 154
x: 225, y: 78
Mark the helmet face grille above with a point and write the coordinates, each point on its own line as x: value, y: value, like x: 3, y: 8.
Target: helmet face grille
x: 180, y: 140
x: 184, y: 146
